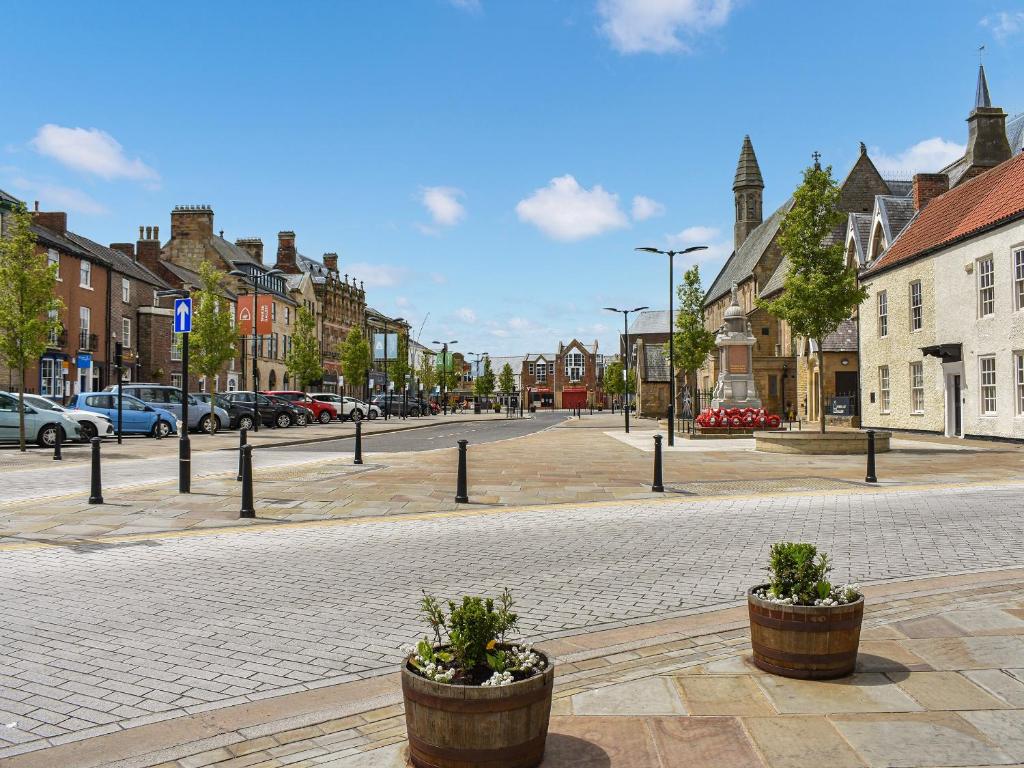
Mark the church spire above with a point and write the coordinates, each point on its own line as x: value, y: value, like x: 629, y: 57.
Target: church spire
x: 981, y: 97
x: 748, y: 172
x: 747, y: 188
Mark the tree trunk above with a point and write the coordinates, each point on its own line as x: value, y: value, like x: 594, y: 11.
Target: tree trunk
x: 21, y: 411
x: 821, y: 388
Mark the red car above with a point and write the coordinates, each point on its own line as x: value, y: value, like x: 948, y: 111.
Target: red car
x: 323, y: 412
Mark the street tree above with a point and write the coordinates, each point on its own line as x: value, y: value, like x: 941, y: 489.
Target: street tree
x: 354, y: 354
x: 506, y: 380
x: 483, y: 385
x: 427, y: 373
x: 449, y: 371
x: 399, y: 368
x: 29, y: 307
x: 819, y: 290
x: 692, y: 341
x: 303, y: 360
x: 213, y: 341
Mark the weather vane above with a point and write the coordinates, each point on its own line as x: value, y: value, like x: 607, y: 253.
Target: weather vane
x: 817, y: 156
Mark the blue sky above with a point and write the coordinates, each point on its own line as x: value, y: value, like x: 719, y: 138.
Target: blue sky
x: 489, y: 162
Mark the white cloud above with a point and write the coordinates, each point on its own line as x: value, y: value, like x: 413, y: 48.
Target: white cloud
x: 659, y: 26
x: 92, y: 151
x: 443, y: 205
x: 1004, y: 24
x: 566, y: 211
x: 466, y: 315
x: 57, y: 197
x: 402, y: 302
x: 377, y: 275
x: 926, y: 156
x: 466, y: 5
x: 718, y: 246
x: 645, y: 208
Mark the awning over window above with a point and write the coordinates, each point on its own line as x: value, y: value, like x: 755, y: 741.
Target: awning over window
x: 948, y: 353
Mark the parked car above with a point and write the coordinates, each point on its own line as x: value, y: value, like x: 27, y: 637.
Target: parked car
x: 396, y: 405
x: 366, y: 410
x: 42, y: 426
x: 240, y: 416
x: 169, y: 398
x: 345, y: 407
x: 273, y: 410
x: 137, y: 417
x: 322, y: 411
x: 92, y: 424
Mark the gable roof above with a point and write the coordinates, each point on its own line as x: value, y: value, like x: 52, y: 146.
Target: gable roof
x: 741, y: 263
x: 9, y: 199
x: 120, y: 262
x: 894, y: 213
x: 843, y: 338
x: 988, y: 200
x: 233, y: 254
x: 650, y: 321
x: 776, y: 282
x: 191, y: 278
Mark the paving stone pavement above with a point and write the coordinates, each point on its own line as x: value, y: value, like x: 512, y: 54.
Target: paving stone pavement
x: 121, y: 633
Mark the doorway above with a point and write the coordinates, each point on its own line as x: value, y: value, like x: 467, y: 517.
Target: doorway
x: 954, y: 426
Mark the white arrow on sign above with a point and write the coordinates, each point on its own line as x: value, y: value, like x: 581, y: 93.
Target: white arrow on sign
x: 183, y: 314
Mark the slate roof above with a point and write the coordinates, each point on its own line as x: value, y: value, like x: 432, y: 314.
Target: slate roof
x: 899, y: 187
x: 1015, y: 132
x: 235, y: 254
x: 531, y: 357
x: 192, y: 278
x: 56, y: 240
x: 9, y: 199
x: 843, y: 339
x: 655, y: 363
x: 895, y: 213
x: 650, y: 321
x: 990, y: 199
x: 121, y: 262
x: 860, y: 225
x: 317, y: 271
x: 748, y: 172
x: 741, y: 263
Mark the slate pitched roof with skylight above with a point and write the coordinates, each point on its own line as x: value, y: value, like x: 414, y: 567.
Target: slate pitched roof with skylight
x: 993, y: 198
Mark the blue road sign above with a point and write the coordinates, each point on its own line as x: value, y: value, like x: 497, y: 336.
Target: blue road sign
x: 183, y: 315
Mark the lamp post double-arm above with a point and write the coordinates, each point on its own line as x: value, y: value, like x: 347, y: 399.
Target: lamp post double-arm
x: 444, y: 372
x: 671, y: 332
x: 252, y: 280
x: 625, y: 371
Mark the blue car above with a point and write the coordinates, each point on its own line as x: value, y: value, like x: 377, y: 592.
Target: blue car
x: 136, y: 416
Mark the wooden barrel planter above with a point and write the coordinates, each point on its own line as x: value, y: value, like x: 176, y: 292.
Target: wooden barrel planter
x: 461, y: 726
x: 805, y: 641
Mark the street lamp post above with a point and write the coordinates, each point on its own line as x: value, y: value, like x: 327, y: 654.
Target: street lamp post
x: 444, y: 373
x: 625, y: 372
x: 255, y: 283
x: 671, y: 333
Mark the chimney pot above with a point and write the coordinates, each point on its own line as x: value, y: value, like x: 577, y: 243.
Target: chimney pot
x: 156, y: 233
x: 140, y: 231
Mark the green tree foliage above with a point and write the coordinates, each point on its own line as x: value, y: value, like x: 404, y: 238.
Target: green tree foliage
x: 614, y: 384
x: 212, y: 343
x: 820, y: 291
x: 506, y: 380
x: 483, y: 385
x: 449, y: 371
x: 27, y: 298
x: 399, y: 368
x: 354, y: 353
x: 304, y: 361
x: 427, y: 373
x: 692, y: 341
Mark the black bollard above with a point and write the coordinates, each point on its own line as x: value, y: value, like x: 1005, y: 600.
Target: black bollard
x: 243, y: 440
x: 248, y: 508
x: 870, y: 477
x: 157, y: 427
x: 658, y: 486
x: 461, y: 493
x: 95, y: 489
x: 56, y: 446
x: 359, y: 443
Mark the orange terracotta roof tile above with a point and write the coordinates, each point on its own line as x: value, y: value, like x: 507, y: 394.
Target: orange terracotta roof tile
x: 993, y: 197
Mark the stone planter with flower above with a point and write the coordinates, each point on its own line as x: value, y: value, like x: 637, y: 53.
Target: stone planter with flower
x: 472, y: 697
x: 801, y: 625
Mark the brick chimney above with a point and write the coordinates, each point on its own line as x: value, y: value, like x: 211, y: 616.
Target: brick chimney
x: 55, y: 221
x: 147, y: 249
x: 286, y: 251
x: 251, y: 245
x: 128, y: 249
x: 191, y: 222
x: 331, y: 261
x: 928, y: 186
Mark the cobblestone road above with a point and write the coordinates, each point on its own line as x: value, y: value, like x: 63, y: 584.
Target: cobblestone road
x: 106, y: 636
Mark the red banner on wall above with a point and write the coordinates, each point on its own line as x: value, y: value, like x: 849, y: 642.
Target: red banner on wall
x: 244, y: 313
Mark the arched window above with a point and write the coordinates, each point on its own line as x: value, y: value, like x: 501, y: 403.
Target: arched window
x: 574, y: 366
x: 272, y: 381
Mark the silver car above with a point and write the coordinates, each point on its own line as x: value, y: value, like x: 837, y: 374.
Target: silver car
x: 170, y: 399
x: 92, y: 424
